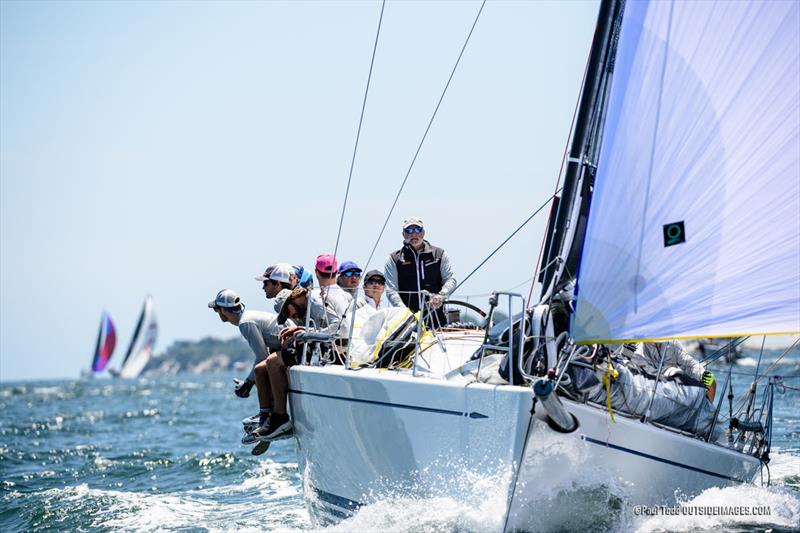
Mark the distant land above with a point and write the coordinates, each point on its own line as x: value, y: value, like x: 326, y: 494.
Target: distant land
x: 208, y: 355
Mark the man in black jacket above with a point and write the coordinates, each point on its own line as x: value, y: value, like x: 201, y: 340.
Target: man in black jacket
x: 418, y: 266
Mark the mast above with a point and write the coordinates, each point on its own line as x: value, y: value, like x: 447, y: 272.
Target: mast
x: 563, y: 248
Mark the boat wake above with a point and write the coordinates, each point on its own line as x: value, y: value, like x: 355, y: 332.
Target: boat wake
x: 470, y: 502
x: 467, y: 502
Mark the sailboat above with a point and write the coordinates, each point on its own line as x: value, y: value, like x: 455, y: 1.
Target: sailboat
x: 104, y: 348
x: 142, y: 342
x: 677, y: 219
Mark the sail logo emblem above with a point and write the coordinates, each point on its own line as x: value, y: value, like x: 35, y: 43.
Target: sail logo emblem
x: 674, y: 233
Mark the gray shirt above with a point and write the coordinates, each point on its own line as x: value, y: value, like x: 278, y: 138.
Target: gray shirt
x: 390, y: 273
x: 648, y: 355
x: 329, y: 306
x: 260, y: 329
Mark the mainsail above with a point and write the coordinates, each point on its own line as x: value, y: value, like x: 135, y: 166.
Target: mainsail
x: 106, y: 341
x: 694, y: 225
x: 142, y: 343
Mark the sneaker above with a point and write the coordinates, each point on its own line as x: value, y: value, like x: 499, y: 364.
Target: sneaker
x: 248, y: 438
x: 260, y: 447
x: 252, y: 422
x: 276, y: 426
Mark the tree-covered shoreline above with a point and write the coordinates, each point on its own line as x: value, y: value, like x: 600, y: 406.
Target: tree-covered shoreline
x: 208, y: 354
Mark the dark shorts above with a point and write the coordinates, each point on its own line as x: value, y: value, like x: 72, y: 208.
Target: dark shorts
x: 291, y: 355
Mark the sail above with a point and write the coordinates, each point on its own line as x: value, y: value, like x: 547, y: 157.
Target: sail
x: 106, y: 341
x: 142, y: 343
x: 694, y: 227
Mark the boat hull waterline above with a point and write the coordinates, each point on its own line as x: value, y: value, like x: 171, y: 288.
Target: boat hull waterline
x: 369, y: 435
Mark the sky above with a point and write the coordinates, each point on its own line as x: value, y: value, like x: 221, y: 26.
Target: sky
x: 178, y: 148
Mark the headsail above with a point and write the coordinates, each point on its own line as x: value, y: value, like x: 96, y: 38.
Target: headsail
x: 694, y: 229
x: 106, y: 341
x: 142, y: 343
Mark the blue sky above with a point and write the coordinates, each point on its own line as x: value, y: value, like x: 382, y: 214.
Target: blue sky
x: 176, y: 148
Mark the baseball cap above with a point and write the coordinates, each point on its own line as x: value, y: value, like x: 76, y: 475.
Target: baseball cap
x: 266, y: 274
x: 281, y: 272
x: 326, y: 263
x: 306, y: 280
x: 413, y: 221
x: 374, y: 274
x: 225, y: 298
x: 296, y: 293
x: 349, y: 265
x: 280, y: 298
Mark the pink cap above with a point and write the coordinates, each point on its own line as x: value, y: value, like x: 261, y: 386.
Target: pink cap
x: 326, y: 263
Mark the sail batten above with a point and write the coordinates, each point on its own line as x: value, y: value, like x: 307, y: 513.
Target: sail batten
x: 694, y: 228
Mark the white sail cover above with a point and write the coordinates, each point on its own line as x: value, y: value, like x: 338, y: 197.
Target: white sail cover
x: 703, y: 130
x: 142, y: 343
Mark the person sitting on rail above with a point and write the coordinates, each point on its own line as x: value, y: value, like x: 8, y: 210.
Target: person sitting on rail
x: 327, y: 308
x: 278, y: 280
x: 261, y: 331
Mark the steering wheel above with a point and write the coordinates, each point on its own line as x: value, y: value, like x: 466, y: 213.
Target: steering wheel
x: 471, y: 307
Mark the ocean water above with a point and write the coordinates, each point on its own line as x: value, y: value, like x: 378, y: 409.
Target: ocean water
x: 165, y: 455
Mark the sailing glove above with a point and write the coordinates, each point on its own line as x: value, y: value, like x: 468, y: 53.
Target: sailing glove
x: 242, y: 388
x: 708, y: 379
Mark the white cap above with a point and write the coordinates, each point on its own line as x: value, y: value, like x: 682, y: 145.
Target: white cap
x: 281, y: 272
x: 413, y: 221
x: 225, y: 298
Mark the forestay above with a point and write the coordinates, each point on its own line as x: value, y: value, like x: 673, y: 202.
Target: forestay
x: 694, y: 228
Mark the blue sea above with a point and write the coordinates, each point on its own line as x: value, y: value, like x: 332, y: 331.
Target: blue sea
x: 165, y: 455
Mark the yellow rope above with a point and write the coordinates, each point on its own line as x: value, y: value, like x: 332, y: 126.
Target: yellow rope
x: 608, y: 375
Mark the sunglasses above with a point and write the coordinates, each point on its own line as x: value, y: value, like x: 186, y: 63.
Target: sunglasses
x: 413, y: 229
x: 351, y: 273
x: 375, y: 281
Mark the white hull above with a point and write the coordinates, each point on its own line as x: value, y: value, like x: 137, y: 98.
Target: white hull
x: 372, y: 434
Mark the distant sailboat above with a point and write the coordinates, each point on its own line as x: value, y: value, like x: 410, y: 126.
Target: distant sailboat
x: 142, y: 343
x: 106, y: 341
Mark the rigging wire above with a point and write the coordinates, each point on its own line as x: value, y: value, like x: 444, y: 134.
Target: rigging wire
x: 733, y: 343
x: 424, y: 136
x: 550, y: 199
x: 742, y: 401
x: 358, y: 133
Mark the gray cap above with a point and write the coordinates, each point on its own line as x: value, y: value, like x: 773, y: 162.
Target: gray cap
x: 225, y: 298
x: 373, y: 273
x: 413, y: 221
x: 280, y: 299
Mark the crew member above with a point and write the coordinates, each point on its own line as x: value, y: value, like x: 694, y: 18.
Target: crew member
x: 419, y: 266
x: 261, y: 331
x: 374, y: 285
x: 349, y: 277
